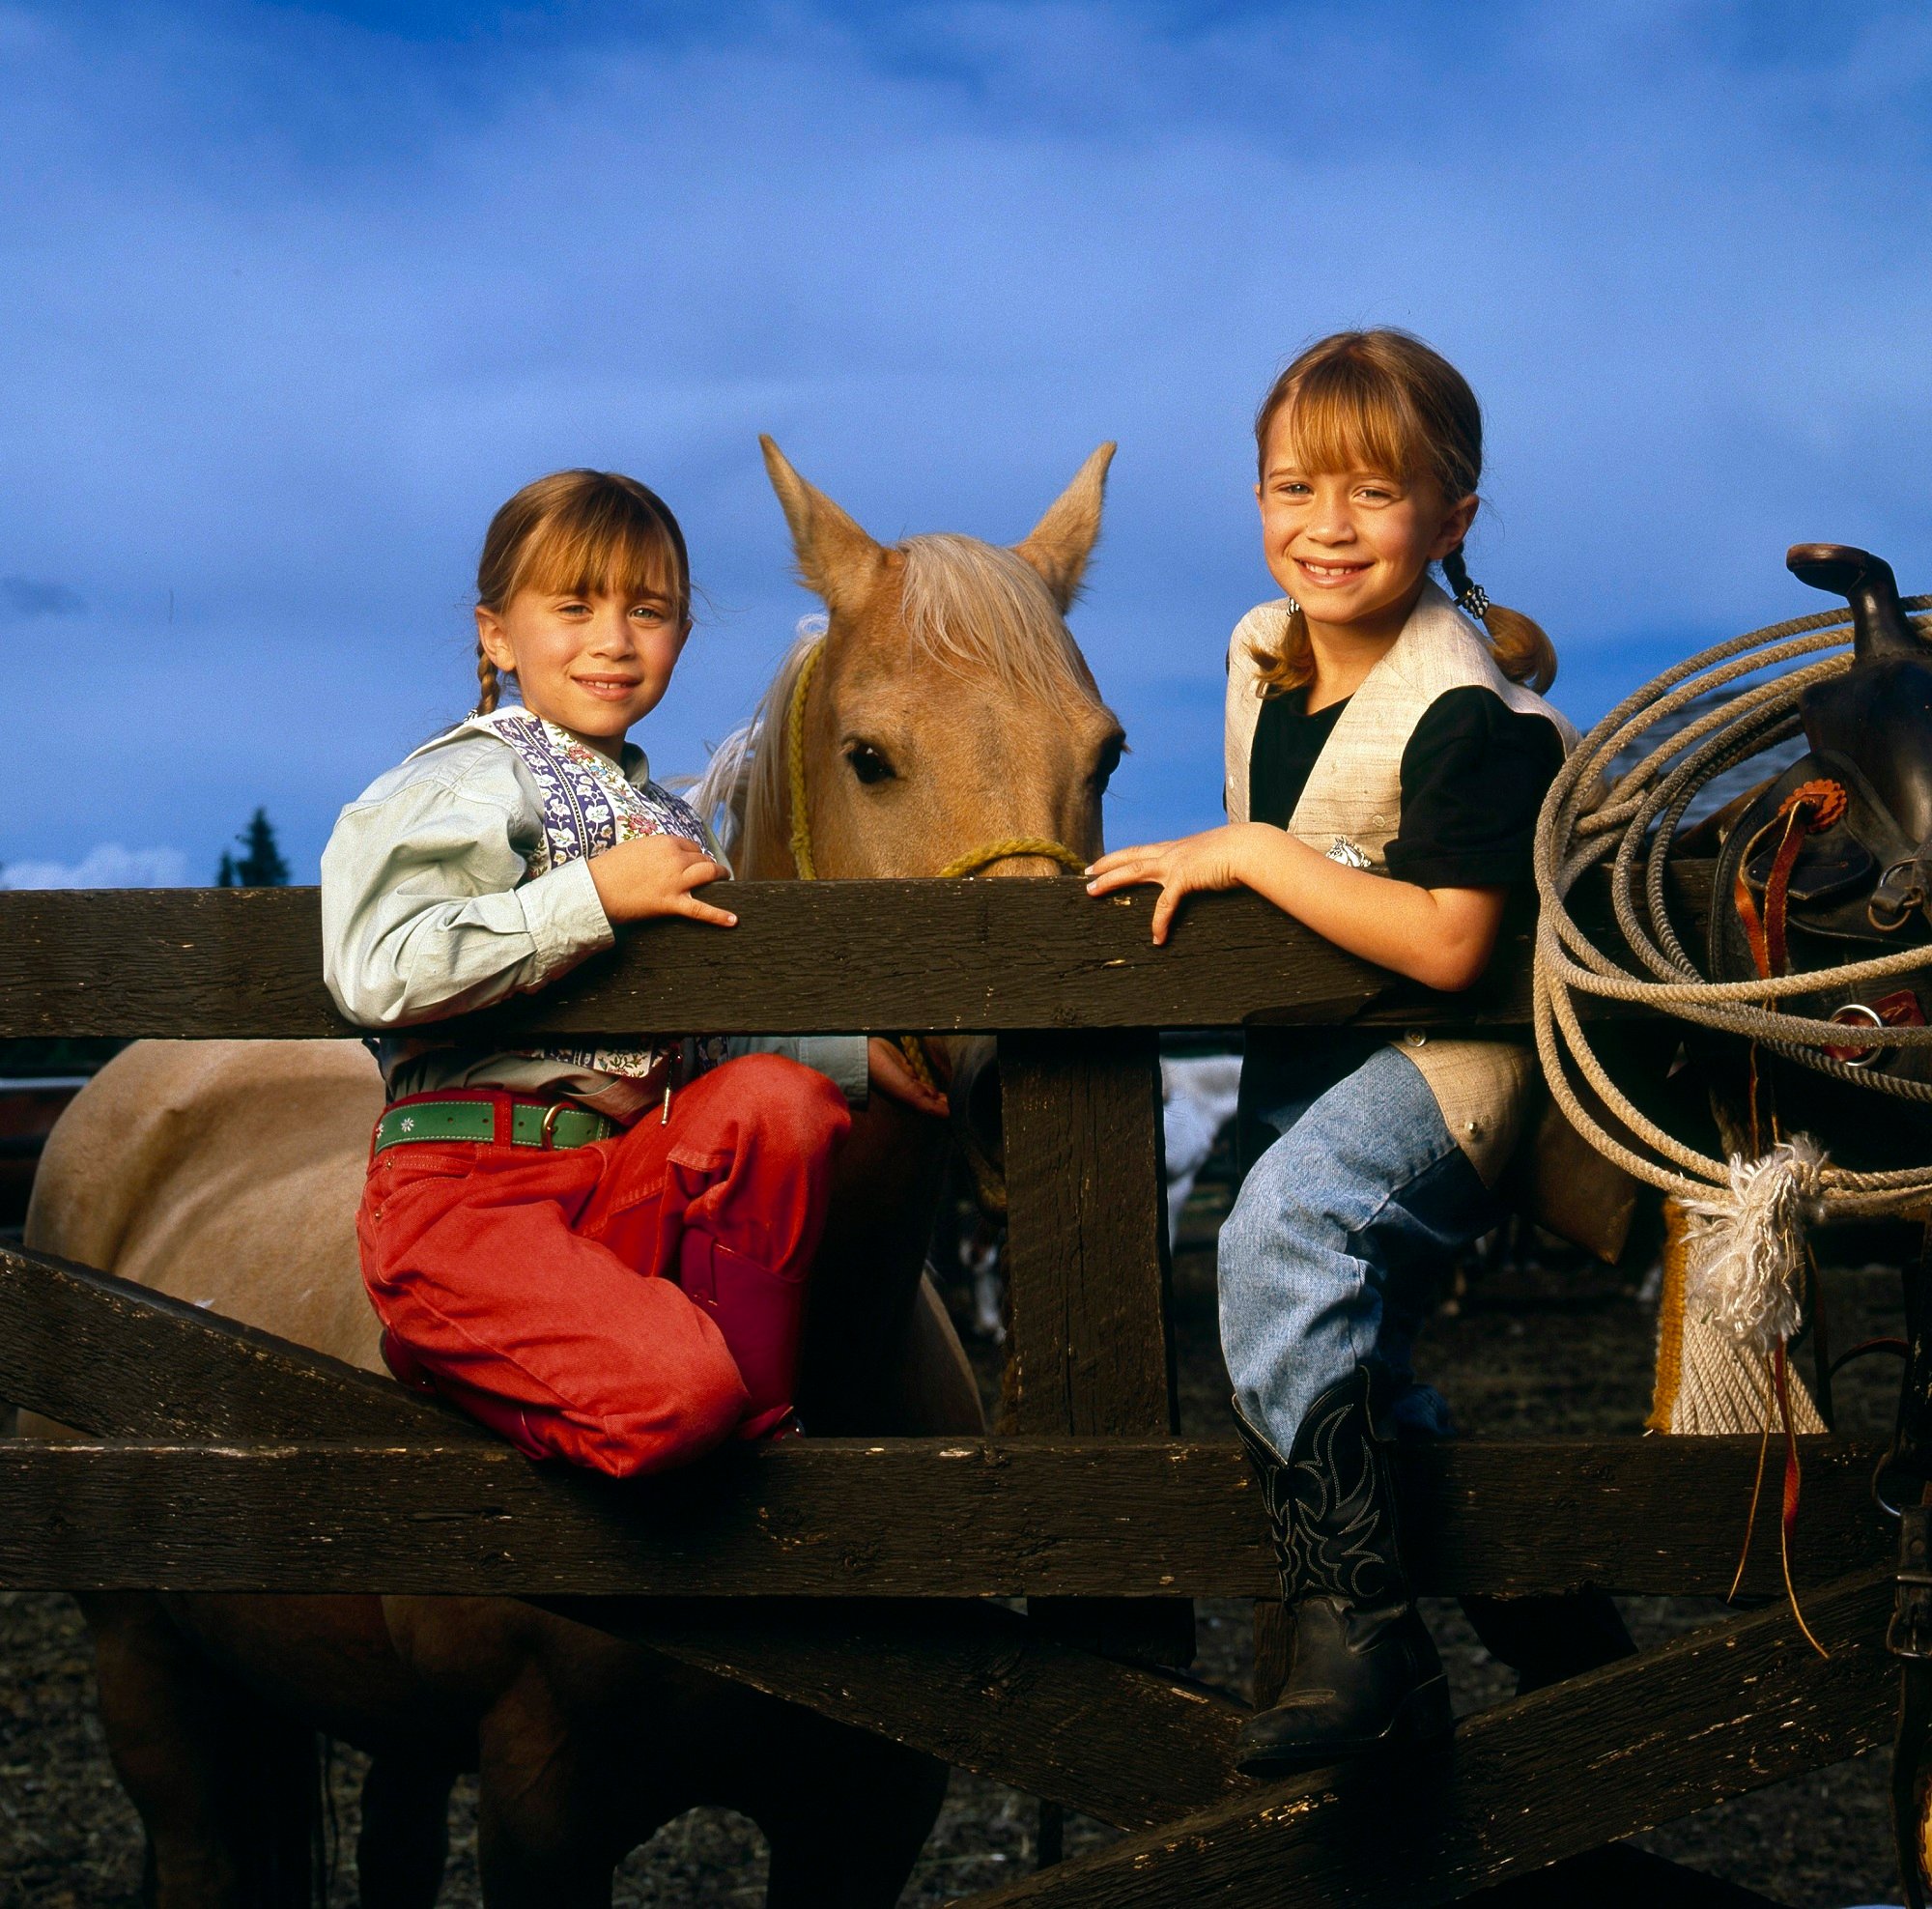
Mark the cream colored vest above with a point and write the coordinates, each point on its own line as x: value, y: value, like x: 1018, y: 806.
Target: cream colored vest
x: 1354, y: 795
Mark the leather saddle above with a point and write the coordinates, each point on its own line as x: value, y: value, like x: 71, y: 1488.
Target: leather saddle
x: 1832, y: 863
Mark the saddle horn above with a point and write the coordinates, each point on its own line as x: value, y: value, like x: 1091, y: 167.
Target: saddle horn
x: 1878, y: 624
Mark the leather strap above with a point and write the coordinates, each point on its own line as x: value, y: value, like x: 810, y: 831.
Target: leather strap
x: 1807, y: 809
x: 532, y: 1124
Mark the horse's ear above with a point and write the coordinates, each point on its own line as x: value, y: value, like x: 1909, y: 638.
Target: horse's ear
x: 835, y: 557
x: 1063, y: 539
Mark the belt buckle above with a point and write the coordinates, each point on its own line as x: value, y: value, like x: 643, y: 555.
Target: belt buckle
x: 547, y: 1132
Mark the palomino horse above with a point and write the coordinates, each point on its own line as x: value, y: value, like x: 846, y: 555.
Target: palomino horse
x: 946, y: 709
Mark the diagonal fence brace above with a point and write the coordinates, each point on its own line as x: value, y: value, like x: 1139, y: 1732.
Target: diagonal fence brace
x: 1642, y: 1742
x: 107, y: 1356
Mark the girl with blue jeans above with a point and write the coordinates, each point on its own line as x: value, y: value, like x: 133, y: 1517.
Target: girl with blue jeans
x: 1387, y: 752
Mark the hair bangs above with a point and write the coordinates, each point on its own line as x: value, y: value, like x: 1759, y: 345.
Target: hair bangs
x: 1344, y: 414
x: 605, y: 543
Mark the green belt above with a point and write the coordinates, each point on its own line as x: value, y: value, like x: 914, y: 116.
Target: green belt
x: 561, y: 1126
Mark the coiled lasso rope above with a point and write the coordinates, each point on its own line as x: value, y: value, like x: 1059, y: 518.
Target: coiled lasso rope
x: 1744, y: 1240
x: 1637, y: 823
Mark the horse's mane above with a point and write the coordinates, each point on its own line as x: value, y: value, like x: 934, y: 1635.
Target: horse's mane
x: 742, y: 793
x: 970, y: 608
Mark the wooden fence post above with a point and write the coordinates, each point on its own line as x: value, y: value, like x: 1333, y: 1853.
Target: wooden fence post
x: 1089, y: 1281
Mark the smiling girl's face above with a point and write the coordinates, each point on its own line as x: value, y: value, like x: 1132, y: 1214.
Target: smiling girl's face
x: 1351, y: 546
x: 590, y: 663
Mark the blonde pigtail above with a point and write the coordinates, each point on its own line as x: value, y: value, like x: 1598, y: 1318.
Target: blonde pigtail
x: 1292, y: 664
x: 1524, y: 653
x: 1522, y: 649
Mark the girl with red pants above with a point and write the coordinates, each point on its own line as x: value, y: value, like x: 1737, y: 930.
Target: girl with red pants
x: 600, y: 1252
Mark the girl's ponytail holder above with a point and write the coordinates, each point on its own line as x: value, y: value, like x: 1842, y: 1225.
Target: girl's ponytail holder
x: 1473, y: 601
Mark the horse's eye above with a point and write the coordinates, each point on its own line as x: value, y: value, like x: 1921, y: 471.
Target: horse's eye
x: 1111, y: 752
x: 867, y: 765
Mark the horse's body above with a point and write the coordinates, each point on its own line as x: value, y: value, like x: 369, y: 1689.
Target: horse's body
x: 228, y: 1173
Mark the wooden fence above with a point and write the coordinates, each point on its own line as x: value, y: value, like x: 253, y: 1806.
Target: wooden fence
x: 219, y: 1458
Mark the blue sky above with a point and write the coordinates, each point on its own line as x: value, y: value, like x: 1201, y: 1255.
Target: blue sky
x: 292, y: 296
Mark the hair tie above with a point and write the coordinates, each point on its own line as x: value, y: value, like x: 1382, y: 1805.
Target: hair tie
x: 1293, y: 608
x: 1472, y: 599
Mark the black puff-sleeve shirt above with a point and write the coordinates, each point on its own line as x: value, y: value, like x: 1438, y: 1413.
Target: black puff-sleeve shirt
x: 1474, y: 773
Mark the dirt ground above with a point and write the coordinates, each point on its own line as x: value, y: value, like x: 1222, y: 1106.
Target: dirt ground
x: 1528, y: 1351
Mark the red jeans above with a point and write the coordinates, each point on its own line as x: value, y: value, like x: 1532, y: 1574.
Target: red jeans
x: 624, y: 1305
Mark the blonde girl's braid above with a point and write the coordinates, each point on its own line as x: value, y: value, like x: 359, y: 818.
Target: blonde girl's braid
x: 1523, y: 652
x: 490, y: 691
x: 1292, y: 662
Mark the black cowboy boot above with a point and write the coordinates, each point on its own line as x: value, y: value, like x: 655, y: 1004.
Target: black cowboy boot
x: 1365, y: 1674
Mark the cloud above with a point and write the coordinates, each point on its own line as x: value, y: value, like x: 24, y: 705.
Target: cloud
x: 23, y: 598
x: 291, y: 299
x: 108, y: 866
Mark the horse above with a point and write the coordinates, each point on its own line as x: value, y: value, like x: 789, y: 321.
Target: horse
x: 943, y: 718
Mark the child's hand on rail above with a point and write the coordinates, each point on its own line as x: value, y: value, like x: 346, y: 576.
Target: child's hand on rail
x: 1212, y: 860
x: 891, y: 1075
x: 655, y: 876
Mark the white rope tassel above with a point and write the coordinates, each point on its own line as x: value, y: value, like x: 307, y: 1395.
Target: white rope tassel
x: 1747, y: 1246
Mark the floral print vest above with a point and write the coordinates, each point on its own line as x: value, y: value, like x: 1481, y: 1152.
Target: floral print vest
x: 590, y: 805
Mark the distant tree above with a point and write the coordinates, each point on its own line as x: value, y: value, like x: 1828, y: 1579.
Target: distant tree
x: 261, y: 865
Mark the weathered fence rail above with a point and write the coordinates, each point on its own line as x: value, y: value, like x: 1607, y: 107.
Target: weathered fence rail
x: 846, y: 1520
x: 214, y: 1457
x: 914, y: 957
x: 286, y: 1470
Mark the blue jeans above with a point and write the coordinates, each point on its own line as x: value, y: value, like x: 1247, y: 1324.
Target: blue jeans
x: 1337, y: 1244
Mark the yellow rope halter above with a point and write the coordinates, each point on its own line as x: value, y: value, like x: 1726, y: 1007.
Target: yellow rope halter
x: 1007, y: 848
